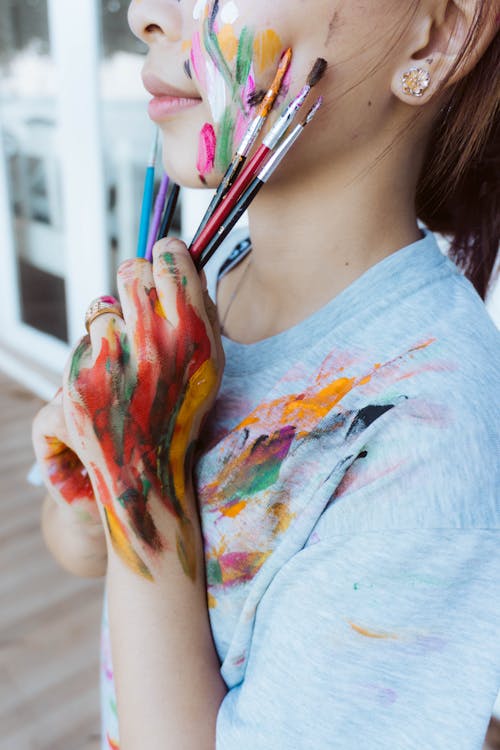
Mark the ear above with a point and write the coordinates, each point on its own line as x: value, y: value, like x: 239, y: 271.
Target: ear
x: 436, y: 39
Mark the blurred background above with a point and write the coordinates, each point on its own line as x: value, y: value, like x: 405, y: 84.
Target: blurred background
x: 74, y: 141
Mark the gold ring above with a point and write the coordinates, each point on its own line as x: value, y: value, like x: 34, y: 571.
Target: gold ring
x: 102, y: 306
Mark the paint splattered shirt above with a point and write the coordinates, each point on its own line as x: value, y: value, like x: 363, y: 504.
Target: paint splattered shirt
x: 348, y: 488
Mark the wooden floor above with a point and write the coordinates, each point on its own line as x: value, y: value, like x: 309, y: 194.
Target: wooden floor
x: 49, y: 621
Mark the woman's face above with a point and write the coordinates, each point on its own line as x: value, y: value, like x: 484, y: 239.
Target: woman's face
x: 209, y: 60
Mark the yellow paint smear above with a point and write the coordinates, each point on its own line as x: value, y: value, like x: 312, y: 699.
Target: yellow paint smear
x: 228, y: 42
x: 212, y: 602
x: 186, y: 45
x: 372, y: 633
x: 200, y: 387
x: 267, y: 48
x: 122, y: 546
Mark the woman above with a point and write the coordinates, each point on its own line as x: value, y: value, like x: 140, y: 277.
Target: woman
x: 342, y: 515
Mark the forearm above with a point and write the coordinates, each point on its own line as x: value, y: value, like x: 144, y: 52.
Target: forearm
x: 78, y: 547
x: 166, y: 669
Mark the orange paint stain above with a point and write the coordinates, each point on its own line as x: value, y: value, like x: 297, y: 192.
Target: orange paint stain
x: 228, y: 42
x: 186, y: 45
x: 234, y: 510
x: 158, y: 308
x: 304, y: 409
x: 372, y: 633
x: 122, y: 546
x: 212, y: 601
x: 267, y: 49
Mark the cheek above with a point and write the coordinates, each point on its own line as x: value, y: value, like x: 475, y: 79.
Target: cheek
x: 231, y: 62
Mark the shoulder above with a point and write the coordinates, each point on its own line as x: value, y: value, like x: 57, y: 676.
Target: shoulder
x: 429, y: 420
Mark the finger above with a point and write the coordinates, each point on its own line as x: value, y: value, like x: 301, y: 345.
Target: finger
x: 49, y: 430
x: 213, y: 317
x: 79, y: 360
x: 180, y: 290
x: 106, y: 326
x: 142, y: 312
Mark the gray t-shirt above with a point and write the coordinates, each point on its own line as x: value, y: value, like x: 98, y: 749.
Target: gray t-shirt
x: 348, y: 489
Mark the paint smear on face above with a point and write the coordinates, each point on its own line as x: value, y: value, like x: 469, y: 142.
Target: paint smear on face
x: 267, y: 47
x: 229, y: 13
x: 226, y: 64
x: 228, y: 42
x: 206, y: 150
x: 199, y: 9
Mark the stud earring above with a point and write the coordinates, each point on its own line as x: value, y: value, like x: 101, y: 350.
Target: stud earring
x: 416, y: 81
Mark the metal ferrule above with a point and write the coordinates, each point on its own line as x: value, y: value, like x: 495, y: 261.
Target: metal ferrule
x: 280, y: 154
x: 278, y: 130
x: 251, y: 136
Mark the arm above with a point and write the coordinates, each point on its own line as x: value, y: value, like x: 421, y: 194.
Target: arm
x: 167, y: 673
x: 135, y: 395
x: 78, y: 547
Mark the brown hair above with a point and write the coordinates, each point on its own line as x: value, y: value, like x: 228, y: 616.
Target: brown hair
x: 459, y: 189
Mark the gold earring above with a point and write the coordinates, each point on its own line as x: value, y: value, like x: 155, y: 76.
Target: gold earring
x: 416, y: 81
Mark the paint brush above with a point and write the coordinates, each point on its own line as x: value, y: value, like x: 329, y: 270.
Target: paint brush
x: 249, y: 139
x: 147, y: 199
x: 255, y: 186
x: 168, y: 215
x: 157, y: 215
x: 253, y: 166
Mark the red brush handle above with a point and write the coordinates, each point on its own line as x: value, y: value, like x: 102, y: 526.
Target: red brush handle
x: 225, y: 207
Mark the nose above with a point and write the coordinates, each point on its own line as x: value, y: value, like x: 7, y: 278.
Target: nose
x: 152, y: 20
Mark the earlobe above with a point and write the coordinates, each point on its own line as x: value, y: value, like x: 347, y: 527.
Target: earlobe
x: 413, y: 85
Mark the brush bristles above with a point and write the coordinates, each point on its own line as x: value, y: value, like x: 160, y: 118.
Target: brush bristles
x: 317, y: 72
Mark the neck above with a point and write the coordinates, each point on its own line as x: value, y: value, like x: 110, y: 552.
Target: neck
x: 313, y: 234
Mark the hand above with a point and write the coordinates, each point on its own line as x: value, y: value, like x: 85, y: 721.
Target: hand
x: 66, y: 478
x: 135, y: 395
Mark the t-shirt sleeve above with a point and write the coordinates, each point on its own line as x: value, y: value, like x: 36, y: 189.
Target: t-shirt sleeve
x: 384, y: 640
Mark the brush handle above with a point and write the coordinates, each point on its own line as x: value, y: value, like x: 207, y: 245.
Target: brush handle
x: 228, y: 203
x: 157, y: 214
x: 231, y: 174
x: 168, y: 216
x: 231, y: 221
x: 147, y: 203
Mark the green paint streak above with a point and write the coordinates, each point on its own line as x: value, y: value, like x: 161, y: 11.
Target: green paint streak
x: 146, y: 485
x: 163, y: 471
x: 215, y: 53
x: 260, y: 478
x: 184, y: 281
x: 214, y: 573
x: 168, y: 258
x: 225, y: 141
x: 244, y: 56
x: 76, y: 362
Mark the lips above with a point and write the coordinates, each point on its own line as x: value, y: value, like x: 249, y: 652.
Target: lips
x: 167, y: 100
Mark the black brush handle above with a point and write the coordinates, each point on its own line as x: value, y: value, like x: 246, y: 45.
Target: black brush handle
x: 168, y: 216
x: 231, y: 174
x: 230, y: 223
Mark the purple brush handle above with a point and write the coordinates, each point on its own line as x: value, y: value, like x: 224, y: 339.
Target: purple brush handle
x: 158, y: 211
